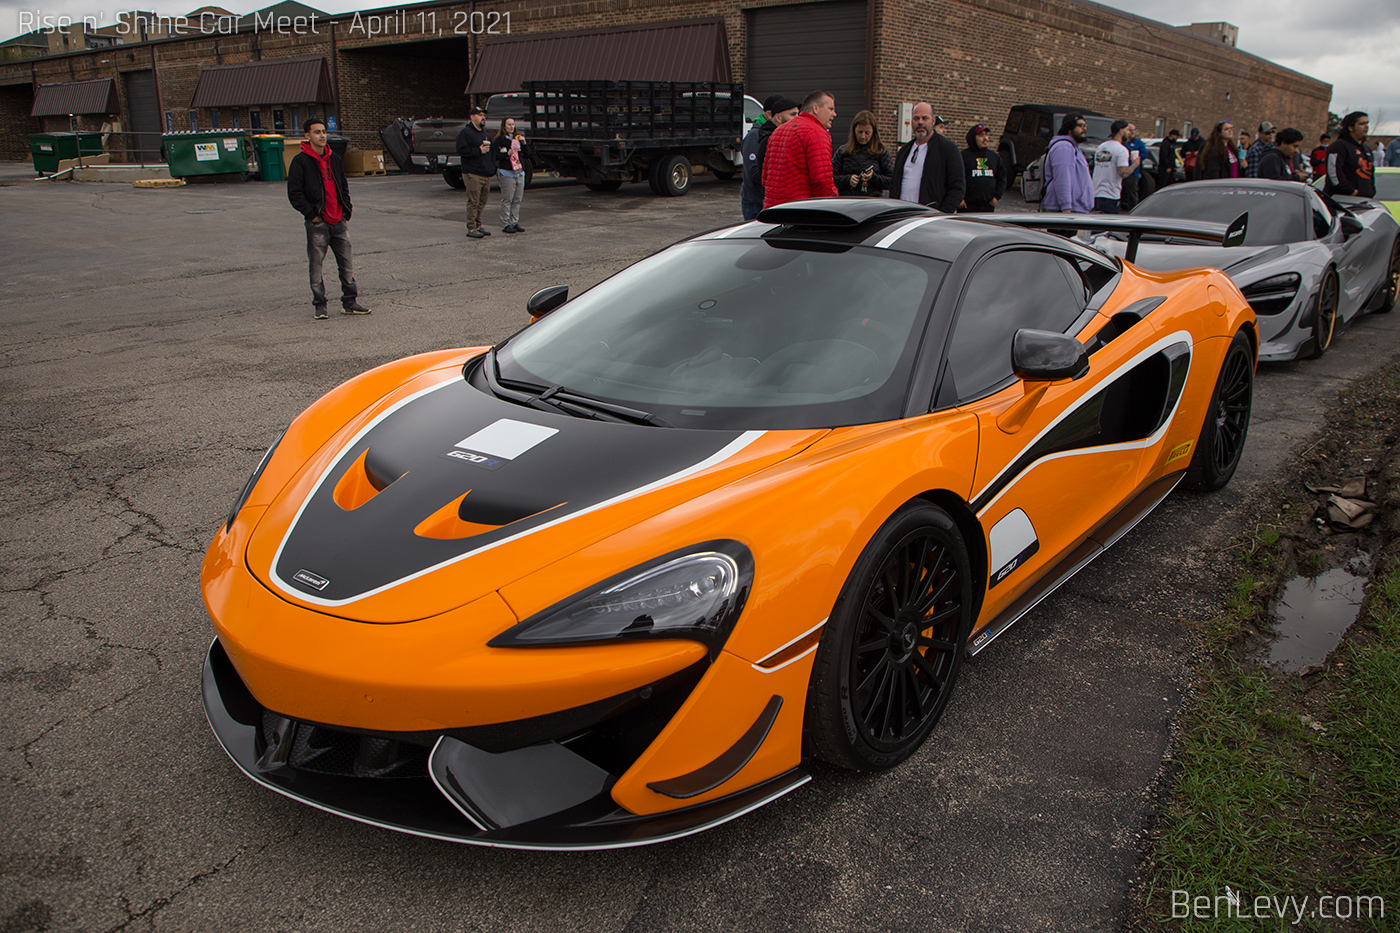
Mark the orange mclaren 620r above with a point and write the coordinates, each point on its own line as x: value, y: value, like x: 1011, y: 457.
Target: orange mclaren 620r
x: 748, y: 502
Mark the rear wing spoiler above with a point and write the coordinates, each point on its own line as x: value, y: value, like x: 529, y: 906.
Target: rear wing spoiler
x: 1135, y: 227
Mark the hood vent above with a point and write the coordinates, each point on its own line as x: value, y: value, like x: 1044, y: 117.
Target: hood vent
x: 362, y: 482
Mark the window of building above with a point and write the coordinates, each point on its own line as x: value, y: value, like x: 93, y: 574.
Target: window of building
x: 255, y: 119
x: 194, y: 119
x: 279, y: 120
x: 296, y: 118
x: 213, y: 118
x: 237, y: 119
x: 1159, y: 127
x: 169, y: 122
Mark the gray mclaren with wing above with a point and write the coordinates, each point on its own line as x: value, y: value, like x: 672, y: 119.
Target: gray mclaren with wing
x: 1309, y: 264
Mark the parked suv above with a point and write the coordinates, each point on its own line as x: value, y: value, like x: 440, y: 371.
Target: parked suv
x: 1030, y: 127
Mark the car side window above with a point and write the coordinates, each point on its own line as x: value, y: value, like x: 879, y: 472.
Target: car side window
x: 1322, y: 218
x: 1008, y: 291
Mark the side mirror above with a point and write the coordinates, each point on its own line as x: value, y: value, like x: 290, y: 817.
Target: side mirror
x: 1045, y: 356
x: 546, y: 300
x: 1350, y: 225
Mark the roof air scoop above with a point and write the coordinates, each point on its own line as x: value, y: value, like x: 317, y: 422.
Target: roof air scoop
x: 840, y: 212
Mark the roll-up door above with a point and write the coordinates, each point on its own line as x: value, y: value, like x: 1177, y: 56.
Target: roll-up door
x: 142, y: 116
x: 796, y: 49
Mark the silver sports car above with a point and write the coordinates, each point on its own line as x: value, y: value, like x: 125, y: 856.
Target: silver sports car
x: 1308, y: 263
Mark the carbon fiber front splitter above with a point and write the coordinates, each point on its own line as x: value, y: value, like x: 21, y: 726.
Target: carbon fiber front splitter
x: 438, y: 807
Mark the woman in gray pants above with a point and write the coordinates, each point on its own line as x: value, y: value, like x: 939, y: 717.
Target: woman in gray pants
x: 511, y: 155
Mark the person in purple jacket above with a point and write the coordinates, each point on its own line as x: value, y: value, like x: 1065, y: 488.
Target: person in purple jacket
x: 1068, y: 187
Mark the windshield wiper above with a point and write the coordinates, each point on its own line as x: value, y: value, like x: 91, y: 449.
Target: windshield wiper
x: 555, y: 398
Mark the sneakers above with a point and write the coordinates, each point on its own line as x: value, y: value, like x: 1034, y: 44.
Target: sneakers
x: 476, y: 234
x: 321, y: 314
x: 516, y: 228
x: 353, y: 307
x: 508, y: 228
x: 483, y: 231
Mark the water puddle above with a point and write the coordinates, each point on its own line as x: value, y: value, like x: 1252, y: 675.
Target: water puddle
x: 1314, y: 613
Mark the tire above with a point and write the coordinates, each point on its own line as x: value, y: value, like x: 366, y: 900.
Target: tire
x: 607, y: 184
x: 895, y: 642
x: 1392, y: 284
x: 1147, y: 186
x: 453, y: 176
x: 529, y: 177
x: 723, y: 174
x: 671, y: 176
x: 1324, y: 325
x: 1220, y: 445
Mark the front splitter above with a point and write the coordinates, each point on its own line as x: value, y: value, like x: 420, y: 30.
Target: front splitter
x: 418, y: 807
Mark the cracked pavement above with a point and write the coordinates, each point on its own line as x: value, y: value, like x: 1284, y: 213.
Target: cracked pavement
x: 149, y: 354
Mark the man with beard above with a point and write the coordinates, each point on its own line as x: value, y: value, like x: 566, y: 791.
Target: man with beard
x: 1068, y: 186
x: 1132, y: 192
x: 984, y: 173
x: 928, y: 169
x: 1349, y: 167
x: 478, y: 165
x: 777, y: 110
x: 1168, y: 159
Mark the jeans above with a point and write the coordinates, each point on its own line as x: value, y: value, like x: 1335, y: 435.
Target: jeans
x: 1130, y: 192
x: 477, y: 186
x: 750, y: 209
x: 1106, y: 205
x: 512, y: 189
x: 319, y: 236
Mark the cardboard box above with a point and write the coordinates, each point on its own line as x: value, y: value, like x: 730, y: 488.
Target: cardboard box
x: 364, y: 162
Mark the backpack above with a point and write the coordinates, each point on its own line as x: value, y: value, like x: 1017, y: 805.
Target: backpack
x: 1033, y: 181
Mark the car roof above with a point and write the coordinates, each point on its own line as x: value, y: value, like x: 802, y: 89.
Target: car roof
x: 1044, y: 108
x: 888, y: 224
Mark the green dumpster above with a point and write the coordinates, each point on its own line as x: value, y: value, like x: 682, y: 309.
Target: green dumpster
x: 48, y: 149
x: 206, y: 152
x: 269, y: 152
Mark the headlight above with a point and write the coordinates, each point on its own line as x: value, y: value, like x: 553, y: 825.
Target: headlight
x: 1274, y: 294
x: 248, y: 486
x: 696, y: 593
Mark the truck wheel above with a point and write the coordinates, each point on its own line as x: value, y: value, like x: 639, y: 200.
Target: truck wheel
x: 671, y: 176
x: 723, y: 174
x: 529, y: 175
x: 607, y: 184
x: 453, y: 176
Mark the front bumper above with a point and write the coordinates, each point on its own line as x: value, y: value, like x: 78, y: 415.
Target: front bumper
x: 542, y: 796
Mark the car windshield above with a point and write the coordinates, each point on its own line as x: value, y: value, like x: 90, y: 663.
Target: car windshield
x: 1388, y: 186
x: 740, y: 333
x: 1274, y: 216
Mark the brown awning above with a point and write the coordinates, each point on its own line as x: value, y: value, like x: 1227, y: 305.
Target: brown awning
x: 676, y: 50
x: 275, y: 81
x: 59, y: 100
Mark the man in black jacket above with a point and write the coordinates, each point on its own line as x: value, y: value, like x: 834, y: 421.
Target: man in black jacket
x: 1276, y: 163
x: 1168, y: 158
x: 316, y: 186
x: 1349, y: 166
x: 777, y: 110
x: 928, y: 169
x: 983, y: 172
x: 478, y: 165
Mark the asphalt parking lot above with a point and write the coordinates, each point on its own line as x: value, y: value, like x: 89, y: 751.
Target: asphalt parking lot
x: 155, y: 341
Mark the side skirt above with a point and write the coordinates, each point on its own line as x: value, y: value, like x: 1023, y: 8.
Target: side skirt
x: 1097, y: 541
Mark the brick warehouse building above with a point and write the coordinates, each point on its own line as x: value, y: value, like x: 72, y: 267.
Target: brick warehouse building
x: 973, y: 59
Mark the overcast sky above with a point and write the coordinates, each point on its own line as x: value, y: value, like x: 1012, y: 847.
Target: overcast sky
x: 1352, y: 44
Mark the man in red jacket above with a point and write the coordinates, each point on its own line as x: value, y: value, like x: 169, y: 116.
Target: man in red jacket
x: 798, y: 162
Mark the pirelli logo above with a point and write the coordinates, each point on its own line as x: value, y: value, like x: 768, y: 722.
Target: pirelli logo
x: 1179, y: 451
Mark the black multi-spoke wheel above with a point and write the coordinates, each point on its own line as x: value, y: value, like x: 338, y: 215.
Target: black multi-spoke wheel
x: 1392, y: 279
x: 894, y: 644
x: 1325, y: 315
x: 1221, y: 442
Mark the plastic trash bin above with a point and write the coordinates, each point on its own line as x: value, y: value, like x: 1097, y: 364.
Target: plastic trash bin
x: 268, y: 149
x: 206, y: 153
x: 339, y: 145
x: 48, y: 149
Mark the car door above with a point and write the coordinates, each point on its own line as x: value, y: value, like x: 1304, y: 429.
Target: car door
x: 1354, y: 255
x: 1044, y: 478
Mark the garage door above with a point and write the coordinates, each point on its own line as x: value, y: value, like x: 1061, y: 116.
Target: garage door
x: 796, y: 49
x: 142, y: 116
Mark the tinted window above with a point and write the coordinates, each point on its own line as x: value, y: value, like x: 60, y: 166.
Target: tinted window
x: 752, y: 111
x: 1321, y: 216
x: 1274, y: 216
x: 1009, y: 291
x: 741, y: 333
x: 1013, y: 122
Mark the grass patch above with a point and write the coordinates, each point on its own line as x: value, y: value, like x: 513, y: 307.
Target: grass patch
x: 1286, y: 785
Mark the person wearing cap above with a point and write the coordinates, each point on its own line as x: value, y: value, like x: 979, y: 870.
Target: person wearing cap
x: 1112, y: 163
x: 478, y: 165
x: 1169, y: 159
x: 940, y: 125
x: 928, y: 169
x: 777, y: 110
x: 1132, y: 191
x: 984, y: 173
x: 1263, y: 144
